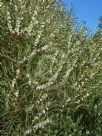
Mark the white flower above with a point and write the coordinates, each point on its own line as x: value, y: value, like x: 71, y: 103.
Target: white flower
x: 16, y: 93
x: 17, y: 71
x: 62, y: 106
x: 29, y: 82
x: 28, y: 131
x: 27, y: 75
x: 13, y: 82
x: 9, y: 21
x: 32, y: 54
x: 78, y: 101
x: 44, y: 96
x: 33, y: 18
x: 87, y: 132
x: 1, y: 4
x: 43, y: 111
x: 15, y: 7
x: 68, y: 100
x: 82, y: 83
x: 87, y: 94
x: 52, y: 35
x: 40, y: 100
x: 35, y: 12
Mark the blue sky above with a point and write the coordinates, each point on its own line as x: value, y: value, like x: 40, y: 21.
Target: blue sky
x: 87, y: 10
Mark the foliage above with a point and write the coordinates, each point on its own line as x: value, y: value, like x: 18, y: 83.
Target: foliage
x: 50, y: 72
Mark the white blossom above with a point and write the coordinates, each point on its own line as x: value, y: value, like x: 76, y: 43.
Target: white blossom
x: 43, y: 111
x: 16, y: 93
x: 13, y: 82
x: 68, y: 100
x: 28, y: 75
x: 17, y: 72
x: 1, y: 4
x: 9, y: 21
x: 35, y: 12
x: 29, y: 82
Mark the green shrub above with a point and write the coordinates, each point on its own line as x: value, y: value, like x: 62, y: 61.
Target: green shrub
x: 50, y: 72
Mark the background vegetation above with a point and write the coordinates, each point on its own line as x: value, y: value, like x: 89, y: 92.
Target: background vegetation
x: 50, y: 71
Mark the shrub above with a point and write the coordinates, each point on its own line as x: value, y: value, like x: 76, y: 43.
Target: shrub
x: 50, y: 72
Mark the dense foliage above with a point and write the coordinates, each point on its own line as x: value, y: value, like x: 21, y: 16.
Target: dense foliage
x: 50, y: 72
